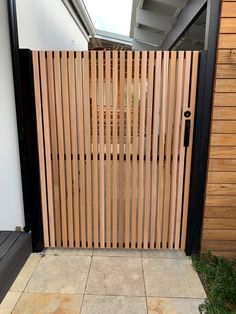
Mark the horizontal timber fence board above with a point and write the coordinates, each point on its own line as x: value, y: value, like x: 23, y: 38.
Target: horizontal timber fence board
x: 114, y: 155
x: 219, y: 225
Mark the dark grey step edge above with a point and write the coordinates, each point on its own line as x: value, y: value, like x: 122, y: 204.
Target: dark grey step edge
x: 13, y: 262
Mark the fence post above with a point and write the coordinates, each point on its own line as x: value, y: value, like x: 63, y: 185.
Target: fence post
x: 202, y: 130
x: 27, y: 134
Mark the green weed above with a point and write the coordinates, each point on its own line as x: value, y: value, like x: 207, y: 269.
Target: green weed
x: 218, y: 276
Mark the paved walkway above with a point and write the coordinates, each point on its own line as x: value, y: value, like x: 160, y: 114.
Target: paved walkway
x: 105, y: 282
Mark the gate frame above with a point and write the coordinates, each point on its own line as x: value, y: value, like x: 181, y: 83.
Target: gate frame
x: 202, y: 130
x: 27, y: 131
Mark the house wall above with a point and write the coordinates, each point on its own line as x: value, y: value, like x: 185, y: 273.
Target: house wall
x: 42, y: 25
x: 11, y: 203
x: 219, y: 226
x: 48, y: 25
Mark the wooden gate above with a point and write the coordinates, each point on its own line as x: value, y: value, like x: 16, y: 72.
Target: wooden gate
x: 115, y: 132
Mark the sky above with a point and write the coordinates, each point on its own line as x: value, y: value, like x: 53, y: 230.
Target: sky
x: 110, y: 15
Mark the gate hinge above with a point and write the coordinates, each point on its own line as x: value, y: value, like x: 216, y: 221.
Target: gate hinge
x: 187, y: 133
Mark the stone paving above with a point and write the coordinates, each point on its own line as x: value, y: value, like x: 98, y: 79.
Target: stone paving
x: 105, y: 282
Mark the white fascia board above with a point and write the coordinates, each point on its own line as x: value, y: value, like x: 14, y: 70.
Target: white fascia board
x: 84, y: 15
x: 113, y: 36
x: 137, y: 45
x: 114, y: 40
x: 76, y: 19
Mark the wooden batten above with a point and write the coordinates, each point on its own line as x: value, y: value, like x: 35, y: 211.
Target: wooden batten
x: 219, y: 223
x: 113, y: 163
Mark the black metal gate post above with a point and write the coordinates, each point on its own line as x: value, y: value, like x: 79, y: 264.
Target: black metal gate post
x: 202, y: 130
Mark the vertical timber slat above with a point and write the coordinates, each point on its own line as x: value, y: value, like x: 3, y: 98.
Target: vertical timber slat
x: 128, y: 144
x: 81, y: 148
x: 54, y: 148
x: 189, y: 149
x: 170, y: 116
x: 47, y: 143
x: 108, y: 148
x: 148, y: 149
x: 175, y: 147
x: 88, y: 126
x: 135, y: 149
x: 182, y: 150
x: 95, y: 147
x: 66, y: 116
x: 156, y: 120
x: 74, y: 144
x: 101, y: 145
x: 121, y: 145
x: 40, y: 147
x: 141, y: 143
x: 61, y: 152
x: 161, y: 212
x: 114, y: 146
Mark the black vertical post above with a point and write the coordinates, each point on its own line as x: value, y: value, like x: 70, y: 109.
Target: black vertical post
x: 202, y: 130
x: 27, y: 132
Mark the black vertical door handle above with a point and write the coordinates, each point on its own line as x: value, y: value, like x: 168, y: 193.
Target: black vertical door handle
x: 187, y: 133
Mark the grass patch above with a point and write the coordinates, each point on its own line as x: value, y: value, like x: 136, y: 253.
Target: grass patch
x: 218, y: 276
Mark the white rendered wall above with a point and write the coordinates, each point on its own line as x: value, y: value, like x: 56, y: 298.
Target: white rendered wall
x: 47, y: 25
x: 43, y: 25
x: 11, y: 203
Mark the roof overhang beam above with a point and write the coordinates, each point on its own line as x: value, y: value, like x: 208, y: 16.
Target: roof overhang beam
x: 154, y: 20
x: 185, y: 18
x: 148, y: 36
x: 173, y: 3
x: 138, y: 45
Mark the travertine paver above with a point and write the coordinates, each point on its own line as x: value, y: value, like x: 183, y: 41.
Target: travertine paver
x: 171, y: 278
x: 43, y: 303
x: 173, y: 305
x: 69, y: 252
x: 106, y: 281
x: 9, y: 302
x: 60, y: 274
x: 164, y: 254
x: 116, y: 276
x: 94, y: 304
x: 26, y: 273
x: 120, y: 252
